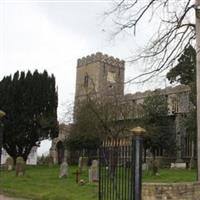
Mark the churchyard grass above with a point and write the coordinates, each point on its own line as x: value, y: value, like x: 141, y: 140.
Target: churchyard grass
x: 42, y: 183
x: 171, y: 176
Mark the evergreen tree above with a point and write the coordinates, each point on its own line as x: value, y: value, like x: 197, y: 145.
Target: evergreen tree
x: 160, y: 136
x: 185, y: 73
x: 30, y: 102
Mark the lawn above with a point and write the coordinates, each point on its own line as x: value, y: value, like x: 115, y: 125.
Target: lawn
x: 171, y: 176
x: 42, y: 183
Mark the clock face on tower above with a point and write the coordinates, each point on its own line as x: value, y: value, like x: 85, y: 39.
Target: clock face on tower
x: 111, y: 77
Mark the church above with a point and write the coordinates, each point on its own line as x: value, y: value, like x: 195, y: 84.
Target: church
x: 103, y: 75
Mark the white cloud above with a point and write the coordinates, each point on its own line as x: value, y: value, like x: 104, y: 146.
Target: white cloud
x: 31, y: 41
x: 52, y: 36
x: 44, y: 148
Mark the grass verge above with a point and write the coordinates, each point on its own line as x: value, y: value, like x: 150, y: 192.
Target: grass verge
x: 42, y: 183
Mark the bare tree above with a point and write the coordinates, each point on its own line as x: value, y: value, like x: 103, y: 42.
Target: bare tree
x: 66, y: 112
x: 109, y: 111
x: 177, y: 29
x: 175, y: 32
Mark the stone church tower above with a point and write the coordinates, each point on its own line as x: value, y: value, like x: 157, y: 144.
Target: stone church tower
x: 99, y: 75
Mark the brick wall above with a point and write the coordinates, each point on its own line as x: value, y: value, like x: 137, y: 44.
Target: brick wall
x: 171, y: 191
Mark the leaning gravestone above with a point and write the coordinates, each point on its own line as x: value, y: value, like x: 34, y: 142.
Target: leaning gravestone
x: 94, y: 171
x: 63, y: 170
x: 9, y: 163
x: 20, y: 166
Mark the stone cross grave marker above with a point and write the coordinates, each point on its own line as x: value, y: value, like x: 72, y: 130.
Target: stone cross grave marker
x: 94, y: 171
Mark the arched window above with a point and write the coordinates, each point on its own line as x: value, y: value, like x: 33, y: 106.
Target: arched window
x: 86, y: 80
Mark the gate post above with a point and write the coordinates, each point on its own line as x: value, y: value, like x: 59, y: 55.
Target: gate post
x: 137, y: 141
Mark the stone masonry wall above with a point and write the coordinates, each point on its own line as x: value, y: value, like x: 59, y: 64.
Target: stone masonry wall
x: 171, y: 191
x: 99, y: 75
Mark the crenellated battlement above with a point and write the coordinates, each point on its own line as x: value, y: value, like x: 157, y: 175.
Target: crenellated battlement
x: 99, y: 57
x: 166, y: 91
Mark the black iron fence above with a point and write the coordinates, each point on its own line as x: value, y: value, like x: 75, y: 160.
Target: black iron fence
x: 116, y: 170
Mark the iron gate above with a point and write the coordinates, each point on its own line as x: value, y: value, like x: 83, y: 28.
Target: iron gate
x: 116, y: 170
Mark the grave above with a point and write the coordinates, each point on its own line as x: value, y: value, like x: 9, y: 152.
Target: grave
x: 9, y: 164
x: 83, y: 163
x: 94, y: 172
x: 20, y: 166
x: 178, y: 165
x: 50, y: 161
x: 63, y: 170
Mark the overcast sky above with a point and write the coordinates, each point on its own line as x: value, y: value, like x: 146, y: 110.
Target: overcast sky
x: 52, y: 35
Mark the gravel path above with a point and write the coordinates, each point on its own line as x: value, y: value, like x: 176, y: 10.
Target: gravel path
x: 2, y: 197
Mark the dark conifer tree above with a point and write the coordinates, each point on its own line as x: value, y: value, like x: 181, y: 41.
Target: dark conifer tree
x: 185, y: 73
x: 30, y: 102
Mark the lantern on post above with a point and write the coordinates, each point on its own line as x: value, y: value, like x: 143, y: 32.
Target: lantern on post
x: 137, y: 142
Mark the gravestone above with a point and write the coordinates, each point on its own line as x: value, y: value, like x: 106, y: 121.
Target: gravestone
x: 178, y: 165
x: 155, y: 167
x: 20, y: 166
x: 50, y: 161
x: 9, y: 163
x: 94, y: 171
x: 63, y: 170
x: 145, y: 167
x: 83, y: 163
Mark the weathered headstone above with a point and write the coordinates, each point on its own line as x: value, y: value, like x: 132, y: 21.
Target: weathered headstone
x: 20, y: 166
x: 178, y: 165
x: 94, y: 171
x: 145, y: 167
x: 155, y: 167
x: 192, y: 163
x: 50, y: 161
x: 63, y: 170
x: 83, y: 163
x: 9, y: 163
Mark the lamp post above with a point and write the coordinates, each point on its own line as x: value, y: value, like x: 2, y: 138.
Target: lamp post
x: 2, y: 114
x: 137, y: 141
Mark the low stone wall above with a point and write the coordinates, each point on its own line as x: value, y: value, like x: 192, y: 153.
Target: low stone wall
x: 172, y: 191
